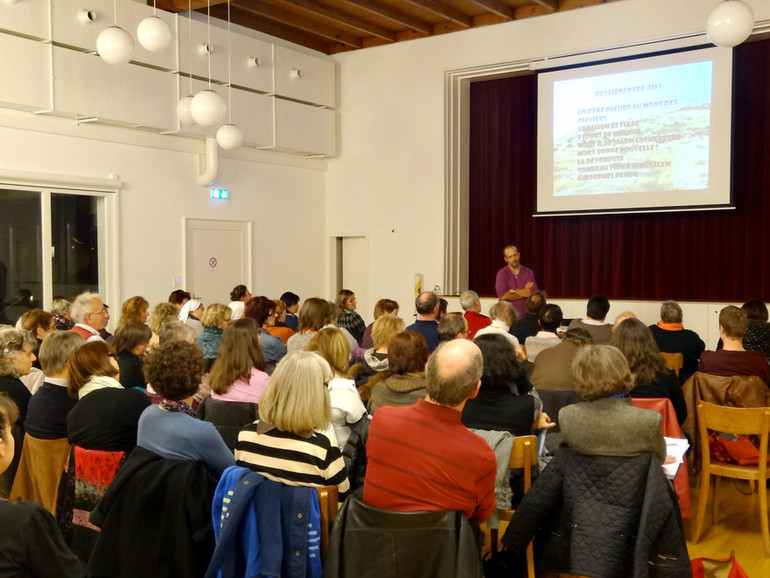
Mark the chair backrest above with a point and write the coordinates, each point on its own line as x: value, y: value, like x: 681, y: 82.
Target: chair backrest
x: 673, y: 360
x: 735, y: 420
x: 328, y: 502
x: 370, y: 542
x: 524, y: 455
x: 40, y: 469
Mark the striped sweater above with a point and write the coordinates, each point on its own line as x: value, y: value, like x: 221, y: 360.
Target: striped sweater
x: 291, y: 458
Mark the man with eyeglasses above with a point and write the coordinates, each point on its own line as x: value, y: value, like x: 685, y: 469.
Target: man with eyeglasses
x: 90, y: 315
x: 515, y: 282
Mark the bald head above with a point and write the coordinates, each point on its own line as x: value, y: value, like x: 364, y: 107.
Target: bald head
x: 426, y: 305
x: 622, y: 317
x: 453, y: 372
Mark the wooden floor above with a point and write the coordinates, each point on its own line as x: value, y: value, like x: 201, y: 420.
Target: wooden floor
x: 737, y: 530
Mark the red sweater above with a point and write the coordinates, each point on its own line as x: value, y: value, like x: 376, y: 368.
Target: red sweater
x: 476, y: 321
x: 422, y: 457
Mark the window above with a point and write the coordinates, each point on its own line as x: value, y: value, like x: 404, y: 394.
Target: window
x: 54, y: 242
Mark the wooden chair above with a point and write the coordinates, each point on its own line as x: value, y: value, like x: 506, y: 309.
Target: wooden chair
x: 523, y: 456
x: 746, y: 421
x: 328, y: 497
x: 673, y: 360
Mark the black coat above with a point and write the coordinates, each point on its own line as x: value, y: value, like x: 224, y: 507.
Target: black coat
x: 602, y: 516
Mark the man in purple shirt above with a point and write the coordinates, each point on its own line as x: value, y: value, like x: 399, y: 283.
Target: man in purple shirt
x: 515, y: 282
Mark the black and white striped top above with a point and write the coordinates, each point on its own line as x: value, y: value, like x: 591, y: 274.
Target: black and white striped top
x: 292, y: 459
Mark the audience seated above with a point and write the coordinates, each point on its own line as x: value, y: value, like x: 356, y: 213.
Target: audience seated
x: 130, y: 342
x: 346, y: 405
x: 652, y: 377
x: 39, y: 323
x: 106, y: 415
x: 503, y: 316
x: 170, y: 428
x: 672, y: 337
x: 46, y: 447
x: 596, y: 312
x: 161, y: 314
x: 286, y: 444
x: 605, y: 423
x: 552, y: 370
x: 262, y: 310
x: 428, y: 477
x: 30, y: 542
x: 60, y: 309
x: 347, y: 316
x: 134, y: 309
x: 382, y: 307
x: 214, y: 320
x: 17, y: 348
x: 757, y: 336
x: 404, y: 381
x: 291, y: 300
x: 452, y: 326
x: 239, y: 296
x: 312, y: 317
x: 375, y: 359
x: 332, y: 313
x: 190, y: 314
x: 280, y: 329
x: 90, y: 315
x: 550, y: 319
x: 506, y: 401
x: 528, y: 325
x: 471, y: 304
x: 426, y: 324
x: 733, y: 359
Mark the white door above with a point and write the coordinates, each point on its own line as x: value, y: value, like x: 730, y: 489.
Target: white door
x: 217, y: 258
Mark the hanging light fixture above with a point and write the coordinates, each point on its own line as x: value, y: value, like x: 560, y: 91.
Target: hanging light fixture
x: 208, y: 108
x: 730, y: 23
x: 114, y: 44
x: 184, y: 106
x: 229, y: 136
x: 153, y: 33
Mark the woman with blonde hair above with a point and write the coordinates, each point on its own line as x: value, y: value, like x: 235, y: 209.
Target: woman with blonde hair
x: 375, y: 359
x: 346, y: 405
x: 60, y: 309
x: 161, y: 314
x: 134, y: 309
x: 17, y: 353
x: 286, y: 444
x: 214, y: 320
x: 382, y: 307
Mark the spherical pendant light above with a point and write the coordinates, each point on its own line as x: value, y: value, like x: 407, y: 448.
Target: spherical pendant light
x: 115, y: 45
x: 730, y: 23
x: 208, y: 108
x: 229, y: 137
x: 184, y: 110
x: 154, y: 34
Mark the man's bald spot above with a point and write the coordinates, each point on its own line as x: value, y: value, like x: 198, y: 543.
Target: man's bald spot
x: 454, y: 356
x: 622, y: 317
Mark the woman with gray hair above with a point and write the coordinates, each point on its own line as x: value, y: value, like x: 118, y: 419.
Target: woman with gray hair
x: 605, y: 423
x: 17, y: 348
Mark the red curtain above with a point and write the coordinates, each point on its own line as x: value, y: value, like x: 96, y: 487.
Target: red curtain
x: 696, y: 256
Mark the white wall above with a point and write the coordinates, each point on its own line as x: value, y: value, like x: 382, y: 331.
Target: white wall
x: 389, y: 177
x: 284, y: 202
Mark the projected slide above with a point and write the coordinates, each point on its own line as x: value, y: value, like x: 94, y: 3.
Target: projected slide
x: 646, y: 130
x: 651, y: 133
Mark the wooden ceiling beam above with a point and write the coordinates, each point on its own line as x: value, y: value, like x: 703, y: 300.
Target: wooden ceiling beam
x: 550, y: 4
x: 444, y: 11
x: 291, y: 20
x: 181, y: 5
x: 346, y: 19
x: 393, y: 15
x: 272, y: 28
x: 497, y: 7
